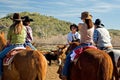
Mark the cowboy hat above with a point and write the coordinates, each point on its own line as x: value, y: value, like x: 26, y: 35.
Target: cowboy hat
x: 27, y: 19
x: 16, y: 17
x: 73, y: 25
x: 97, y: 22
x: 86, y: 15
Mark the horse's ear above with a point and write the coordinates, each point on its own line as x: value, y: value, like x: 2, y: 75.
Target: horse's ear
x: 61, y: 46
x: 2, y: 33
x: 75, y: 43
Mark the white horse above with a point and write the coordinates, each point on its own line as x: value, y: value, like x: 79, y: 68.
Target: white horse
x: 115, y: 56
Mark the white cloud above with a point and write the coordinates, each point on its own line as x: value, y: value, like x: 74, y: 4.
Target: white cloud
x: 9, y: 2
x: 71, y: 8
x: 96, y: 7
x: 104, y: 7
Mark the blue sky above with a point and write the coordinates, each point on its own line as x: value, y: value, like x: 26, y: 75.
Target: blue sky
x: 69, y: 10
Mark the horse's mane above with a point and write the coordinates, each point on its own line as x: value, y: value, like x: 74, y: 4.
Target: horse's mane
x: 3, y: 41
x: 72, y: 46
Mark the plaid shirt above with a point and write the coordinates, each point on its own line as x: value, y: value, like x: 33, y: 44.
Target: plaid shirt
x: 29, y: 37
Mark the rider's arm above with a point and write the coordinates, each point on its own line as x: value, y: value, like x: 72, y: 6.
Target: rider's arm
x: 95, y: 37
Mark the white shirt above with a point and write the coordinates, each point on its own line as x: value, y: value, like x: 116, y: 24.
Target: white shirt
x: 102, y: 37
x: 72, y: 36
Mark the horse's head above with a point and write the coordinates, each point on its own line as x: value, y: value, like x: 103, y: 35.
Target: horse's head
x: 2, y: 40
x: 72, y: 46
x: 61, y: 46
x: 61, y: 49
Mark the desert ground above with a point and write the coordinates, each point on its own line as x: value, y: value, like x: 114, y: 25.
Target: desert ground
x: 52, y: 72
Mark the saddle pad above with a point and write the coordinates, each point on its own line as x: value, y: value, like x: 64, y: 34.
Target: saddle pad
x: 10, y: 55
x: 75, y: 54
x: 7, y: 60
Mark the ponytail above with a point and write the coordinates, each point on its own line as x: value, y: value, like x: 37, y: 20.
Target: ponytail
x: 89, y: 23
x: 16, y: 27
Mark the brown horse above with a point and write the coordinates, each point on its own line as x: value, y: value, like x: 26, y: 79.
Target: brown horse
x: 72, y: 45
x: 93, y: 64
x: 65, y: 51
x: 26, y: 65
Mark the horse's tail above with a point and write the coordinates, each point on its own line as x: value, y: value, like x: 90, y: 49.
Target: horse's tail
x: 106, y: 67
x: 41, y: 65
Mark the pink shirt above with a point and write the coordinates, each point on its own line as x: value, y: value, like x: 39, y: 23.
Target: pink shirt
x: 86, y: 34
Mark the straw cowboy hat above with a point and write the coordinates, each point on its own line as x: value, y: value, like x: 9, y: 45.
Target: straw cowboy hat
x: 27, y: 19
x: 86, y: 15
x: 16, y: 17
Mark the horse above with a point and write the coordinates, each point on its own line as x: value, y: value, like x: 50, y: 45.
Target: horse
x: 65, y: 51
x: 26, y: 64
x: 92, y: 64
x: 56, y: 54
x: 72, y: 46
x: 115, y: 56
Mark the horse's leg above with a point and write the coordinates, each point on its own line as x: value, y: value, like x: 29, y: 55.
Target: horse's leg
x: 106, y: 67
x: 59, y: 71
x: 49, y: 62
x: 59, y: 61
x: 115, y: 71
x: 41, y: 66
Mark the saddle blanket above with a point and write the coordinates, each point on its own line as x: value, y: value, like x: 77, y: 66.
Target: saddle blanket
x: 75, y: 54
x: 10, y: 55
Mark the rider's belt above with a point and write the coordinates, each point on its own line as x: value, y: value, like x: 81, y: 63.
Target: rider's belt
x: 16, y: 44
x: 107, y: 47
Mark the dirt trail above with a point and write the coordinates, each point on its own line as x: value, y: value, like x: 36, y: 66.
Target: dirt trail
x: 52, y: 72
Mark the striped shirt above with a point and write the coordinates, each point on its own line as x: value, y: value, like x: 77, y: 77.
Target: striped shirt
x: 29, y: 37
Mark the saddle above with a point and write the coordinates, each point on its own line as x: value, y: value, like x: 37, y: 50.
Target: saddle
x: 76, y: 53
x: 10, y: 55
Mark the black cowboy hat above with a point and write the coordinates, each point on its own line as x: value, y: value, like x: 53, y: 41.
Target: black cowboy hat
x: 73, y: 25
x: 16, y: 17
x: 26, y: 19
x: 97, y: 22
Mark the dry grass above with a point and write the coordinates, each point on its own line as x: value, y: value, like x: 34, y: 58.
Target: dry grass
x: 52, y: 42
x: 59, y: 39
x: 47, y: 44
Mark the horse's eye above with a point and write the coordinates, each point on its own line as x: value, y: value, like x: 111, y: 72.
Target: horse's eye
x: 60, y: 50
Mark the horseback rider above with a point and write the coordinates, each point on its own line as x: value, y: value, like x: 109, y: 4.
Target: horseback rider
x: 73, y: 35
x: 102, y: 37
x: 29, y: 38
x: 86, y: 31
x: 16, y: 38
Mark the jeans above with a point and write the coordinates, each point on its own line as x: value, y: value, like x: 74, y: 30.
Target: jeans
x: 68, y: 59
x: 30, y: 45
x: 4, y: 52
